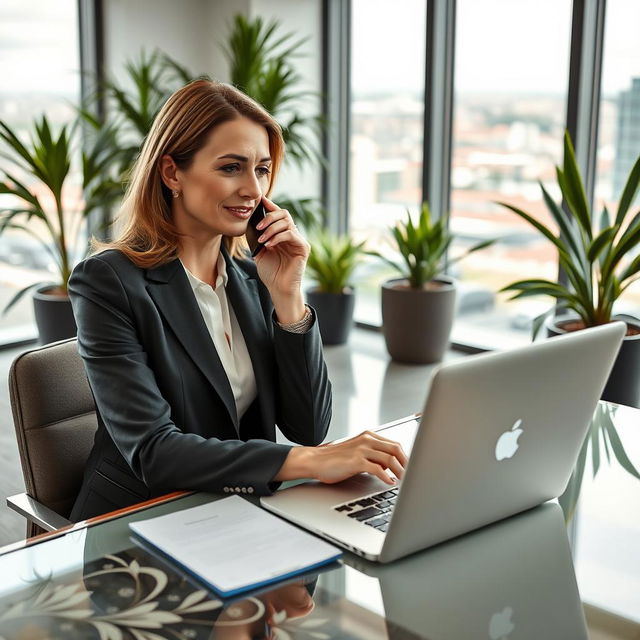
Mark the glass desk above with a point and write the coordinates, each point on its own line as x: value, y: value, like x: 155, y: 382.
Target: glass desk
x: 513, y: 579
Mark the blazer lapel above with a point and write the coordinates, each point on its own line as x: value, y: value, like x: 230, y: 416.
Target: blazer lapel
x: 170, y: 289
x: 242, y: 292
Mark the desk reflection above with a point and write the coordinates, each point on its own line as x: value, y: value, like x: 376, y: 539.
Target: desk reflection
x: 133, y: 595
x: 513, y: 579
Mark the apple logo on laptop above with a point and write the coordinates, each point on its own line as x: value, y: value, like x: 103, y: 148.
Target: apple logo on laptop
x: 507, y: 443
x: 501, y: 625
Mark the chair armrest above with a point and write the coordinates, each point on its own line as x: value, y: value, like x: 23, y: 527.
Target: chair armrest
x: 36, y: 512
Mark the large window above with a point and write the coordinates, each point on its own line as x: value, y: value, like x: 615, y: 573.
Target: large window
x: 40, y: 74
x: 619, y: 125
x: 387, y: 97
x: 511, y: 72
x: 510, y: 97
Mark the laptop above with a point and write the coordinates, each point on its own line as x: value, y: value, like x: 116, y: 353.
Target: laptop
x: 500, y: 433
x: 512, y: 579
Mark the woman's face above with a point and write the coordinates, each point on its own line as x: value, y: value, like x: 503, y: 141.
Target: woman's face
x: 225, y: 181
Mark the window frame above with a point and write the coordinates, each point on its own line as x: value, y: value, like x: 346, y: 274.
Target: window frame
x: 582, y: 116
x: 91, y: 56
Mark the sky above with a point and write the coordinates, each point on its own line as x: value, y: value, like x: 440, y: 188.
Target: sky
x: 516, y: 45
x: 39, y: 46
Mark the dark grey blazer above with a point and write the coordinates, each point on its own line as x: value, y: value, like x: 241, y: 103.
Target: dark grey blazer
x: 166, y: 412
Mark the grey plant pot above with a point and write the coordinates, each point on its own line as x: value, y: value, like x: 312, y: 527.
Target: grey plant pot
x: 54, y: 316
x: 623, y: 385
x: 417, y: 322
x: 335, y: 314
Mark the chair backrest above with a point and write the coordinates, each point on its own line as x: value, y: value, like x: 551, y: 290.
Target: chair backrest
x: 55, y: 420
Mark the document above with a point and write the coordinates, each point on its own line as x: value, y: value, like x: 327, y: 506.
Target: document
x: 233, y: 545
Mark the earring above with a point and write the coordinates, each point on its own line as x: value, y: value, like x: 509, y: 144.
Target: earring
x: 175, y: 193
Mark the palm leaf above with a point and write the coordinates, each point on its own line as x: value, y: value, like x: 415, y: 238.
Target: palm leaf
x: 569, y: 498
x: 546, y: 232
x: 625, y: 244
x: 572, y: 187
x: 18, y: 296
x: 260, y: 65
x: 601, y: 430
x: 629, y: 191
x: 29, y: 163
x: 19, y: 190
x: 566, y: 229
x: 631, y: 270
x: 476, y: 247
x: 332, y: 260
x: 538, y: 321
x: 600, y: 242
x: 595, y: 449
x: 618, y: 448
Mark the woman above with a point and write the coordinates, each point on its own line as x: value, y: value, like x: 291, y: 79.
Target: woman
x: 194, y: 352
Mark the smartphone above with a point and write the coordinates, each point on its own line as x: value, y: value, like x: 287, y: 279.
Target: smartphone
x: 252, y: 234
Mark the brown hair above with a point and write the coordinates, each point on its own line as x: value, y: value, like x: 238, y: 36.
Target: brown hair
x: 148, y: 236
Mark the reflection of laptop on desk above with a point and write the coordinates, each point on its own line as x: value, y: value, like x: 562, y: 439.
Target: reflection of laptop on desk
x: 500, y: 433
x: 514, y: 579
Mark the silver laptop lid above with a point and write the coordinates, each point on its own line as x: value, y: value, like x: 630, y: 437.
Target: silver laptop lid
x: 500, y: 433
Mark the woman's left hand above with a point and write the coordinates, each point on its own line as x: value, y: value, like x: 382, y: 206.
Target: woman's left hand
x: 282, y: 261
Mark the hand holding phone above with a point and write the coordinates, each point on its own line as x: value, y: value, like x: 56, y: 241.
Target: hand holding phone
x: 252, y: 233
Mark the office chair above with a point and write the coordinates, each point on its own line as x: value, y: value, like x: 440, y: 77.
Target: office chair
x: 55, y: 420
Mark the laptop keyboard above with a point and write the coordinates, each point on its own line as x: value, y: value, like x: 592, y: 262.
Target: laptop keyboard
x: 374, y: 510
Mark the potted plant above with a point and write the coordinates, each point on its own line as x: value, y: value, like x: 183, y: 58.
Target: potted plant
x: 331, y: 263
x: 418, y: 307
x: 46, y: 159
x: 599, y: 255
x: 259, y: 57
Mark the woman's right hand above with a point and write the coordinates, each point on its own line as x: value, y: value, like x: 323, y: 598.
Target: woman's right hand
x: 368, y: 452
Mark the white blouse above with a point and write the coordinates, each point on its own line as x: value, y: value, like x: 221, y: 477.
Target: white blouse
x: 227, y: 337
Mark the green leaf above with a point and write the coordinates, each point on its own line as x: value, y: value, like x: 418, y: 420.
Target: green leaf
x: 573, y: 188
x: 18, y: 296
x: 567, y: 232
x: 618, y: 449
x: 25, y: 158
x: 629, y: 191
x: 396, y: 266
x: 605, y: 218
x: 579, y: 282
x: 16, y: 188
x: 529, y: 284
x: 476, y: 247
x: 546, y: 232
x: 569, y: 498
x: 528, y: 288
x: 600, y: 242
x: 595, y: 447
x: 632, y: 269
x: 554, y: 292
x: 332, y: 260
x: 260, y: 65
x: 538, y: 323
x: 627, y: 242
x: 605, y: 443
